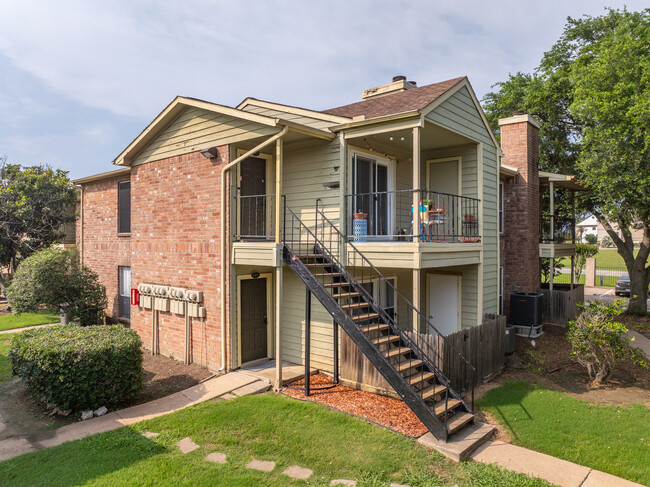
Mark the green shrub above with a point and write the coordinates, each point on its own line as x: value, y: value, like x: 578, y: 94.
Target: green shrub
x: 53, y: 278
x: 591, y: 239
x: 598, y: 341
x: 79, y: 368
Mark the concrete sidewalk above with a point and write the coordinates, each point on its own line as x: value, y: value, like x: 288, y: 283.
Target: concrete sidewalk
x: 640, y: 342
x: 238, y: 383
x: 18, y: 330
x: 552, y: 469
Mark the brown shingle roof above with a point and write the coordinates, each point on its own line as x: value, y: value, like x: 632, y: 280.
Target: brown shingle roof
x: 405, y: 101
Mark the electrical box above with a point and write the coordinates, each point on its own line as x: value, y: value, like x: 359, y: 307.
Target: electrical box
x: 177, y: 300
x: 146, y: 295
x: 161, y: 301
x: 195, y: 310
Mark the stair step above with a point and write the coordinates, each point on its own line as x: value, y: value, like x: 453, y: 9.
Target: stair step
x: 434, y: 390
x: 420, y: 377
x: 375, y: 327
x: 366, y: 316
x: 396, y: 351
x: 385, y: 340
x: 328, y: 274
x: 310, y: 256
x: 458, y: 421
x: 439, y: 407
x: 354, y: 305
x: 336, y: 284
x: 319, y: 264
x: 408, y: 365
x: 345, y: 295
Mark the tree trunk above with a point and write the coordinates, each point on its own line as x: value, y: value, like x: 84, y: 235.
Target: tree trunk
x: 638, y: 289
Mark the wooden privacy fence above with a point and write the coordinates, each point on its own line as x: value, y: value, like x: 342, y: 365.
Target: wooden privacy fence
x: 561, y: 304
x: 483, y: 346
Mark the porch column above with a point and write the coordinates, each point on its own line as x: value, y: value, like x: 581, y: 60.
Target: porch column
x: 345, y: 212
x: 417, y: 291
x: 279, y: 223
x: 551, y: 269
x: 552, y: 210
x: 416, y: 184
x: 573, y: 270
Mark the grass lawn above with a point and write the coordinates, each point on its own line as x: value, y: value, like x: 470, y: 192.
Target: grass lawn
x: 11, y: 321
x: 5, y: 365
x: 604, y: 258
x: 614, y: 439
x: 267, y: 427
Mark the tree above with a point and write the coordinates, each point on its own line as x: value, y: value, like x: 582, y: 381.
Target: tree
x: 53, y: 278
x: 591, y: 93
x: 35, y: 203
x: 591, y: 239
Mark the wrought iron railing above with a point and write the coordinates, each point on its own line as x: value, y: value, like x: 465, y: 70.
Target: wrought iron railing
x: 254, y: 217
x: 388, y: 215
x: 404, y: 319
x: 556, y: 229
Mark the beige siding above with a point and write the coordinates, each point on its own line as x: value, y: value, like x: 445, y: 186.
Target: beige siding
x: 290, y: 117
x: 195, y: 129
x: 460, y: 115
x: 468, y: 154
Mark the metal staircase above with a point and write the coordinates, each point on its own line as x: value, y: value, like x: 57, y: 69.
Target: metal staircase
x: 383, y: 324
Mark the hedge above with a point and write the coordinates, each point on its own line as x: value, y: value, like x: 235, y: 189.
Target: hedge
x: 79, y: 368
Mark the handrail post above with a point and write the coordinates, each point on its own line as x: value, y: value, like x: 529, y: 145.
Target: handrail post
x: 284, y: 218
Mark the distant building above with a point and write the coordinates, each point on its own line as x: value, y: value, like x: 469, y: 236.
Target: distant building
x: 591, y: 226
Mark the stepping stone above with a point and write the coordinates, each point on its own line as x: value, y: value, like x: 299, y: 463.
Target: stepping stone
x: 216, y: 457
x: 349, y: 483
x: 227, y: 397
x: 149, y: 434
x: 261, y: 465
x: 297, y: 472
x: 399, y: 485
x: 186, y: 445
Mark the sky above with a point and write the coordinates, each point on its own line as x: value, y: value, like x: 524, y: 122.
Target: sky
x: 79, y: 80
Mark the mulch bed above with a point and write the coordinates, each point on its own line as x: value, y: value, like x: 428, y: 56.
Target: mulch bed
x: 385, y: 411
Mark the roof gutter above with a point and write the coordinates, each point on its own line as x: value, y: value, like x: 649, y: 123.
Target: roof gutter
x: 222, y: 276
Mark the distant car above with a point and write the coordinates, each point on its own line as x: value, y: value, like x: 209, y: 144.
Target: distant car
x: 622, y: 286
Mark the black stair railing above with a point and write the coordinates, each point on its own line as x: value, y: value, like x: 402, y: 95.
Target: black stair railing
x: 375, y: 305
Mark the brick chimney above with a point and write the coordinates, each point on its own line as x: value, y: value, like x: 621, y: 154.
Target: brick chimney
x: 520, y: 241
x: 398, y: 85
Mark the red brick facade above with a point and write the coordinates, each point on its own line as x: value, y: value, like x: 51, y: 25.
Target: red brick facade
x: 103, y: 250
x: 175, y: 237
x: 519, y: 243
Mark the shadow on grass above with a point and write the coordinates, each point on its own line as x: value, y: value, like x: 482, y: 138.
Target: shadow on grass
x: 84, y: 460
x: 512, y: 396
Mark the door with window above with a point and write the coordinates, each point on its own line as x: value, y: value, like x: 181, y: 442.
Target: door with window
x: 371, y: 183
x: 125, y: 291
x: 383, y: 292
x: 252, y: 199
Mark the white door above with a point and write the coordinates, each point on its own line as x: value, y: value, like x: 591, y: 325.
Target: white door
x: 444, y: 302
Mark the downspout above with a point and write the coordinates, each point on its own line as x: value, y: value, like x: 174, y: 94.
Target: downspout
x: 81, y: 225
x: 222, y: 277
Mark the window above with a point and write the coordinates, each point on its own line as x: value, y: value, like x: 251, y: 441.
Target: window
x: 124, y: 207
x: 125, y: 291
x: 371, y: 186
x: 501, y: 191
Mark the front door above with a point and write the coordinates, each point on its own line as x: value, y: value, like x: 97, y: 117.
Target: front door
x: 253, y: 319
x: 252, y: 202
x: 444, y: 302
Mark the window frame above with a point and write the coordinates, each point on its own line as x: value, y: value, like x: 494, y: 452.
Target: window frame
x: 119, y: 208
x: 122, y: 308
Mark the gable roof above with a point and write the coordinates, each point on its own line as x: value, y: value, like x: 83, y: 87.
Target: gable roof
x: 291, y: 109
x: 393, y: 103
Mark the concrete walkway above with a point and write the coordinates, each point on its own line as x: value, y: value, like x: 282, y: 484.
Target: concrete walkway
x: 640, y: 342
x: 18, y: 330
x: 552, y: 469
x: 237, y: 383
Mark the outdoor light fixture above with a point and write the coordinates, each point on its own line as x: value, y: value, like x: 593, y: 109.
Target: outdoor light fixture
x: 210, y: 152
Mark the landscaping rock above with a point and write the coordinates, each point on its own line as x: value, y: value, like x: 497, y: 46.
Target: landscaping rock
x: 296, y: 472
x: 64, y: 413
x: 349, y: 483
x: 54, y: 411
x: 86, y: 415
x: 101, y: 411
x: 261, y: 465
x: 216, y: 457
x: 187, y: 445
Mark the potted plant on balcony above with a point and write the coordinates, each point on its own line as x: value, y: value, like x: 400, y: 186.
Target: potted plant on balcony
x: 360, y: 216
x: 468, y: 218
x: 424, y: 211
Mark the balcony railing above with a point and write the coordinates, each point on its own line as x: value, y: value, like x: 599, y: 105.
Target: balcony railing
x: 556, y: 229
x: 254, y: 217
x: 388, y: 216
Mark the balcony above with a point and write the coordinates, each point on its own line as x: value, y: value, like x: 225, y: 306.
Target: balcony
x: 253, y: 219
x: 556, y: 236
x: 387, y: 216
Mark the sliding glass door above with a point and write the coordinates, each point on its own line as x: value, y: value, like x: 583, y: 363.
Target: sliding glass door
x: 371, y: 183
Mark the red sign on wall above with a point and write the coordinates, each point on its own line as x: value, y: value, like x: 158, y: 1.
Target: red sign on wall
x: 135, y: 297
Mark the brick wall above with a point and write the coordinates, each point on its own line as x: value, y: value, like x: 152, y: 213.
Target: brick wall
x: 175, y: 234
x: 519, y: 244
x: 103, y: 250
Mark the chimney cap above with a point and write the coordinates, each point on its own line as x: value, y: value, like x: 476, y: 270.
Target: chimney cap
x: 399, y: 78
x: 414, y: 83
x: 518, y: 112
